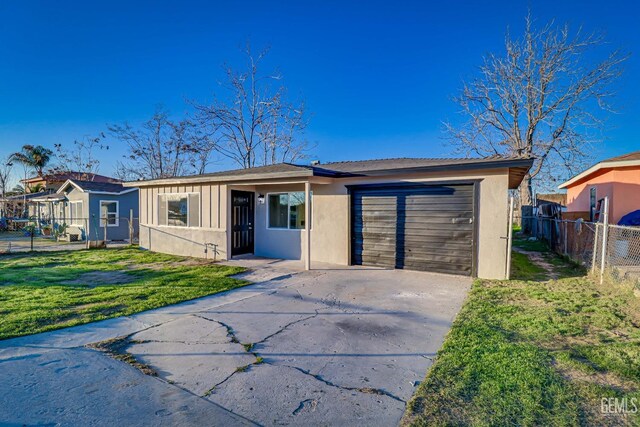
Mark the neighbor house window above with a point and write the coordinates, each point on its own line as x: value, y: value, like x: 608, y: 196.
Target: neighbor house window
x: 75, y: 213
x: 179, y: 210
x: 592, y: 203
x: 286, y: 210
x: 109, y: 214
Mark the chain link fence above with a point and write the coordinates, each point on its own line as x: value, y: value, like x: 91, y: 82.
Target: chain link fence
x: 620, y: 247
x: 36, y: 234
x: 589, y: 243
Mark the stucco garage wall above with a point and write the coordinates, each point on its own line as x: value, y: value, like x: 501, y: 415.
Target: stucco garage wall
x: 190, y: 241
x: 330, y: 238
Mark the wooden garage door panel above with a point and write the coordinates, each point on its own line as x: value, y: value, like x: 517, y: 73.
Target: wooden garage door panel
x: 390, y: 215
x: 414, y: 220
x: 415, y: 227
x: 421, y: 265
x: 449, y: 232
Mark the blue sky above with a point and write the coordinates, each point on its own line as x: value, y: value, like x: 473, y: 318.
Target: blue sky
x: 377, y: 76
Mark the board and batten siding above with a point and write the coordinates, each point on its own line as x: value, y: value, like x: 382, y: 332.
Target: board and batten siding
x: 209, y: 240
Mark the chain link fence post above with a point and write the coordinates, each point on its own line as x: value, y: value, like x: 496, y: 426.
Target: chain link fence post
x: 605, y: 232
x: 87, y: 237
x: 594, y: 257
x: 131, y: 226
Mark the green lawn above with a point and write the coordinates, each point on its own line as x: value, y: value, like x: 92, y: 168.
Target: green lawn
x: 534, y: 352
x: 43, y: 291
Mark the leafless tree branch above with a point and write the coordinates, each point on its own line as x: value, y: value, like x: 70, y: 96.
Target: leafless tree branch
x: 544, y: 98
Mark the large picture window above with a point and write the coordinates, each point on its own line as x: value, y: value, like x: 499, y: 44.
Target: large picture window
x: 286, y: 211
x: 179, y: 210
x: 109, y: 214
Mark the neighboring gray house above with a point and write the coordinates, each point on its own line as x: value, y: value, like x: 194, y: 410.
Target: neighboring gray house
x: 90, y: 208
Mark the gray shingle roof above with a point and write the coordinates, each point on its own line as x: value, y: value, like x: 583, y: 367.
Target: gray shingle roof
x: 108, y: 187
x: 29, y: 196
x: 271, y: 169
x: 629, y: 156
x: 356, y: 166
x: 347, y: 169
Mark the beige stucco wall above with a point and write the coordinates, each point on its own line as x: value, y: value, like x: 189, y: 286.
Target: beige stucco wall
x: 330, y: 235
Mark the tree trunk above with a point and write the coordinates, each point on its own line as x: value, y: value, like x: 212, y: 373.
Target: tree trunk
x: 525, y: 191
x: 525, y: 210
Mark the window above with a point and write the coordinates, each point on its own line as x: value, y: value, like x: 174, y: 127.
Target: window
x: 76, y: 216
x: 286, y: 211
x: 179, y: 210
x: 109, y: 214
x: 592, y: 203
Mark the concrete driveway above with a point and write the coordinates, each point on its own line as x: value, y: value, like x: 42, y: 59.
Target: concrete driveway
x: 325, y: 347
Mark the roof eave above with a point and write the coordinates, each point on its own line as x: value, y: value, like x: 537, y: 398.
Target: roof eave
x: 303, y: 173
x: 66, y: 184
x: 595, y: 168
x: 113, y: 193
x: 518, y: 168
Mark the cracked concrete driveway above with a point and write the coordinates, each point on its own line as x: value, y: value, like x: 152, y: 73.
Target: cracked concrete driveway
x: 325, y: 347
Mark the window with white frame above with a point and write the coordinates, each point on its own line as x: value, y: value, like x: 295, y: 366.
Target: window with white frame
x: 286, y: 211
x: 76, y: 216
x: 179, y: 210
x: 109, y: 213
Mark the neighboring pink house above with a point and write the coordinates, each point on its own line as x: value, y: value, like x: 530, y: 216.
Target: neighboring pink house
x: 618, y: 178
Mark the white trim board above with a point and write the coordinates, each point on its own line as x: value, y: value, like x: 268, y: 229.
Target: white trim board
x: 597, y: 167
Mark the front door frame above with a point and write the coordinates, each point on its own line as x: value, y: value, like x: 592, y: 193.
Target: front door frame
x: 249, y: 249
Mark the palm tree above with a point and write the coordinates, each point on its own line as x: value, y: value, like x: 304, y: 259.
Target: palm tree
x: 18, y: 189
x: 35, y: 188
x: 36, y: 157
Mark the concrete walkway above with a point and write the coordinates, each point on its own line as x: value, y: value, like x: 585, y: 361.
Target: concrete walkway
x: 329, y: 346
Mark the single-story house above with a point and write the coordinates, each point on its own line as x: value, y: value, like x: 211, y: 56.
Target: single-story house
x: 14, y: 206
x: 441, y: 215
x: 617, y: 178
x: 91, y: 208
x: 53, y: 180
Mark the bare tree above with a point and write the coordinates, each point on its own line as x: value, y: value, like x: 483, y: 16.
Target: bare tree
x: 544, y: 98
x: 253, y: 124
x: 6, y: 168
x: 160, y: 148
x: 82, y: 157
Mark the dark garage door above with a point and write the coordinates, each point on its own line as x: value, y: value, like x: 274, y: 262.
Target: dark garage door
x: 417, y: 227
